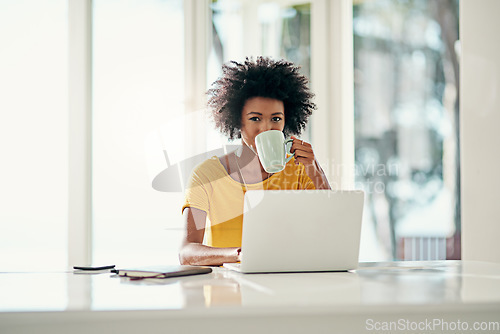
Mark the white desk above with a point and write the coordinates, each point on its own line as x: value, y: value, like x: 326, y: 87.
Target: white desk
x: 402, y: 294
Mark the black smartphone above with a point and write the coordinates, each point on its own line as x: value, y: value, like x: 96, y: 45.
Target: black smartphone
x: 94, y: 268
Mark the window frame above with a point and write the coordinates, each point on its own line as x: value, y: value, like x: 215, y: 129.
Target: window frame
x: 79, y: 132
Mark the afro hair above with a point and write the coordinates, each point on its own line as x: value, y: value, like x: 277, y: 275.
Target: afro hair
x: 262, y: 77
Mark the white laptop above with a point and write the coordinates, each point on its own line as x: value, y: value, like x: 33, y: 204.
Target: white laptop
x: 300, y: 231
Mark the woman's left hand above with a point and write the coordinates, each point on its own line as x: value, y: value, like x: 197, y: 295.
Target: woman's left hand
x: 304, y: 154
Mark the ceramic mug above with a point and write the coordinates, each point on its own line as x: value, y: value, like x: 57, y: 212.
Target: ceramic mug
x: 272, y: 150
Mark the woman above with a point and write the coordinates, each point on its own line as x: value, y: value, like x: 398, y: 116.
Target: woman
x: 249, y: 98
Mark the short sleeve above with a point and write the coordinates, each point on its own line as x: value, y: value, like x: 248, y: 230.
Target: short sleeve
x: 196, y: 194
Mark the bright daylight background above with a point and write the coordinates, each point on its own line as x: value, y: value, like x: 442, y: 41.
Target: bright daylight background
x: 33, y: 134
x: 406, y: 113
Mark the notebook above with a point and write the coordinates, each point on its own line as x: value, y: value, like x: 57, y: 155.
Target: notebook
x: 161, y: 271
x: 300, y: 231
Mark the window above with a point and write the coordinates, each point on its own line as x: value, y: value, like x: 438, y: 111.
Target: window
x: 243, y: 28
x: 138, y: 96
x: 406, y: 120
x: 33, y: 135
x: 405, y: 56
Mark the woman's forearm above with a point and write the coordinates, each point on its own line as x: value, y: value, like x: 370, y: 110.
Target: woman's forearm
x: 316, y: 174
x: 200, y: 255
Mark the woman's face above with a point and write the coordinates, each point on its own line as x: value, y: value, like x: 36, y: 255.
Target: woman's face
x: 261, y: 114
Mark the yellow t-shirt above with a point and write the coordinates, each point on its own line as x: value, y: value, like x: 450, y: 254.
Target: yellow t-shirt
x: 212, y: 190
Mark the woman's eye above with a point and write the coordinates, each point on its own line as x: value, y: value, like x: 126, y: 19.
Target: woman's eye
x: 276, y: 119
x: 254, y: 119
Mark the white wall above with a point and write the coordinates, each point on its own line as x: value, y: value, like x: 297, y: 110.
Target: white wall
x: 480, y: 129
